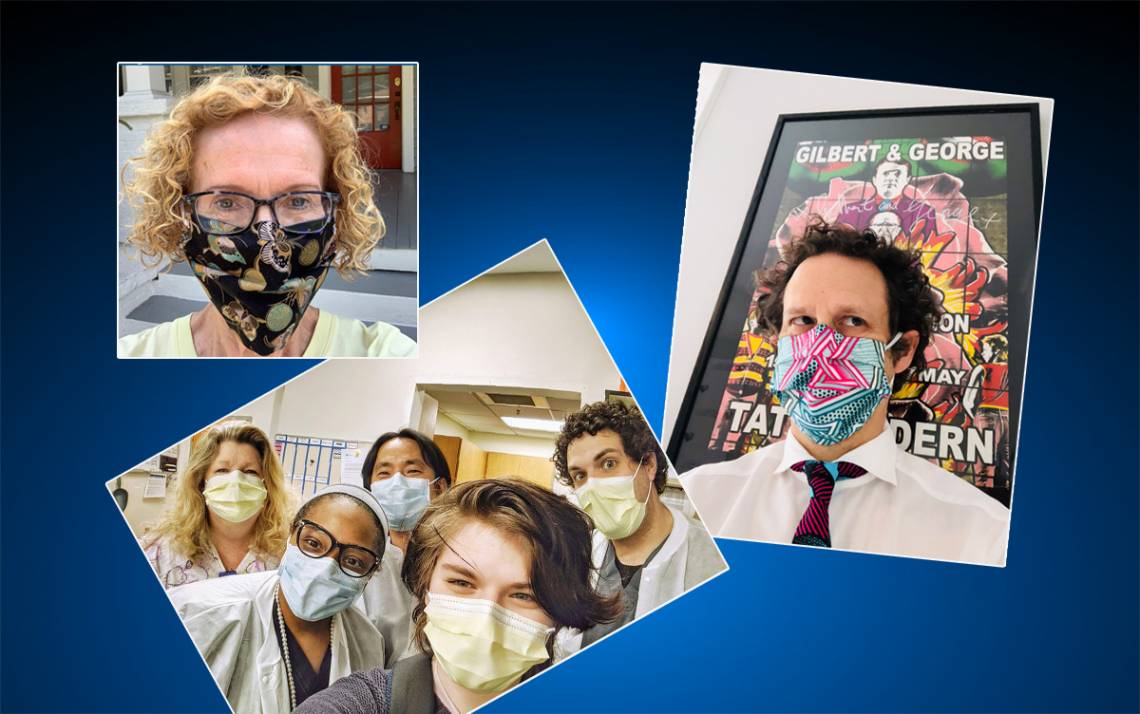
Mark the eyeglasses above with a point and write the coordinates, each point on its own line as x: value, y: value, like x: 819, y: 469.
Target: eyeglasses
x: 314, y: 541
x: 223, y: 213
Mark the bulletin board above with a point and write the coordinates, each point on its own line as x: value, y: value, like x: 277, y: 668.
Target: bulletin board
x: 312, y: 462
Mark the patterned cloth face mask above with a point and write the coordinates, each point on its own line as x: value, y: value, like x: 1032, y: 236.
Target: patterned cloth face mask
x: 262, y: 279
x: 830, y: 384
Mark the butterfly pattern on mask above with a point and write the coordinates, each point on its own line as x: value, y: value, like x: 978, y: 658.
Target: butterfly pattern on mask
x: 276, y: 248
x: 262, y: 280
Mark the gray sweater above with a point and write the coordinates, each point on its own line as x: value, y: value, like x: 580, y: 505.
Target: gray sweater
x: 371, y: 692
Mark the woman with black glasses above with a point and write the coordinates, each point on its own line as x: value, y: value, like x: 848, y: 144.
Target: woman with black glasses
x: 273, y: 639
x: 258, y: 183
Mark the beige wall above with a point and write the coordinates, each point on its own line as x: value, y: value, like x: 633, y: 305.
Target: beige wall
x: 140, y: 511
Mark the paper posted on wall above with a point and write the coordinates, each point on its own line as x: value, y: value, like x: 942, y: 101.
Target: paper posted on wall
x: 155, y: 486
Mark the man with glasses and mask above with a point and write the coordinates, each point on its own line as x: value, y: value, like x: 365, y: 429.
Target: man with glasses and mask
x: 852, y: 315
x: 258, y: 183
x: 642, y: 548
x: 273, y: 639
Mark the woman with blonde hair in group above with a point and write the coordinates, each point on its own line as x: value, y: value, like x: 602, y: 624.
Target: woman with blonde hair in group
x: 231, y: 510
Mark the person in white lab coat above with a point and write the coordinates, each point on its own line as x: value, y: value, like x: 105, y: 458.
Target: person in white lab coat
x: 387, y: 604
x: 405, y: 471
x: 642, y: 548
x: 273, y: 639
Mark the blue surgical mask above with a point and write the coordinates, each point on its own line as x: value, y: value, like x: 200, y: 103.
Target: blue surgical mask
x: 316, y: 588
x: 403, y: 499
x: 830, y: 384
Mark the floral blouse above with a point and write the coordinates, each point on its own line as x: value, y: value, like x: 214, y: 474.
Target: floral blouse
x: 175, y: 569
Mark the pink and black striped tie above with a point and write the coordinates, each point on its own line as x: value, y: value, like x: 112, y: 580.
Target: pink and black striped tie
x: 815, y: 526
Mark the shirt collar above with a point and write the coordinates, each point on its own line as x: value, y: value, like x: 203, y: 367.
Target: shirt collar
x: 877, y: 456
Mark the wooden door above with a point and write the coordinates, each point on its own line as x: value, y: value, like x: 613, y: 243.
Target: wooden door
x: 528, y: 468
x: 449, y: 445
x: 374, y: 94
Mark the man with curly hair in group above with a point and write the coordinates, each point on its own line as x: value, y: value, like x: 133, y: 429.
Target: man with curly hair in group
x: 852, y: 316
x: 258, y: 183
x: 642, y: 548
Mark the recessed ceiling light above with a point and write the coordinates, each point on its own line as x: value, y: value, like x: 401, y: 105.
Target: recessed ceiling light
x: 533, y: 424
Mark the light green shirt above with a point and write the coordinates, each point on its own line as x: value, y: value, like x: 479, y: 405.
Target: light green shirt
x: 333, y: 336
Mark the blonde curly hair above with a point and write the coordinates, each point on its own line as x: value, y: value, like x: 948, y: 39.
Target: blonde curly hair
x: 185, y: 523
x: 162, y: 174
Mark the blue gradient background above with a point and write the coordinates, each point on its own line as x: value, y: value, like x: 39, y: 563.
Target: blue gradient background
x: 574, y: 123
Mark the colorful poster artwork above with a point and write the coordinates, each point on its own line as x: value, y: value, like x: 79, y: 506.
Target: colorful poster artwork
x: 945, y: 198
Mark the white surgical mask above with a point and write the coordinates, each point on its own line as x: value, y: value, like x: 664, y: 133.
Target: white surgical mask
x: 403, y: 499
x: 482, y: 645
x: 235, y: 496
x: 316, y: 588
x: 612, y: 504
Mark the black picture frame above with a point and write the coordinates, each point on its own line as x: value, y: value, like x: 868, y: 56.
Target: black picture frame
x: 1023, y: 198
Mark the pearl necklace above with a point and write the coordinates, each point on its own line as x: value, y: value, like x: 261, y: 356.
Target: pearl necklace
x: 285, y: 646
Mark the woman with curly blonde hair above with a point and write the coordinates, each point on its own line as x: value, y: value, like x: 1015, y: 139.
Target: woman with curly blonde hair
x: 258, y: 183
x: 231, y: 510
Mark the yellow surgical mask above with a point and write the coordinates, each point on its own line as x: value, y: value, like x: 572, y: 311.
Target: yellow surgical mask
x: 235, y: 496
x: 482, y: 645
x: 612, y: 504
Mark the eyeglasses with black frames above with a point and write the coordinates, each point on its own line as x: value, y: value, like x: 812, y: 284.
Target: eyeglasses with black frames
x: 224, y: 213
x: 314, y: 541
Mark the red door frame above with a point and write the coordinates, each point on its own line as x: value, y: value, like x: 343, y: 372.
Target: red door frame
x: 383, y: 147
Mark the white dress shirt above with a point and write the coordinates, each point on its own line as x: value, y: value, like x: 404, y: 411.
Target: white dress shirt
x: 903, y: 505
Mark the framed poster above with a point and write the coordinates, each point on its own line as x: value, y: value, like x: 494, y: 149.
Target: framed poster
x: 960, y: 186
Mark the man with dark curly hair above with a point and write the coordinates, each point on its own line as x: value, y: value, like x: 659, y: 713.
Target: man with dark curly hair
x: 644, y: 549
x: 852, y: 315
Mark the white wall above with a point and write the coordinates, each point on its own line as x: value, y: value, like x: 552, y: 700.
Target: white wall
x: 263, y: 411
x: 447, y: 426
x: 515, y: 330
x: 502, y: 443
x: 511, y: 444
x: 349, y: 399
x: 736, y: 115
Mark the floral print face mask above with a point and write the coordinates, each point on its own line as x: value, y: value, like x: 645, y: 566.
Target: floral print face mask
x: 262, y: 279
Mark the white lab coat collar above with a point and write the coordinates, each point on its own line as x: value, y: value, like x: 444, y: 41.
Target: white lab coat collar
x: 270, y: 664
x: 877, y: 456
x: 663, y: 578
